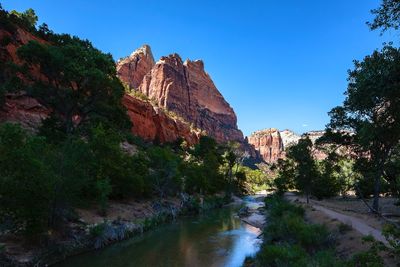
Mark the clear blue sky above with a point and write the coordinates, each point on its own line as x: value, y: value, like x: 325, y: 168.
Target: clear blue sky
x: 279, y: 64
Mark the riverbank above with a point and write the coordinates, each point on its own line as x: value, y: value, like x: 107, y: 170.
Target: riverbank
x: 253, y: 211
x: 298, y: 235
x: 90, y: 231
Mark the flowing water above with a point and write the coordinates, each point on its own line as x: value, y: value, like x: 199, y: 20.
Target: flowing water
x: 217, y: 238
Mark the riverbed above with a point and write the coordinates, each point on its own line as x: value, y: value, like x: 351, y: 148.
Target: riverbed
x: 217, y: 238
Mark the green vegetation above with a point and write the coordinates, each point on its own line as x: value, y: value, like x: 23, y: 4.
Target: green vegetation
x: 76, y: 159
x: 290, y: 241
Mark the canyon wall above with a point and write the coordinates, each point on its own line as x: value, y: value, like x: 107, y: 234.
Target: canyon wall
x: 268, y: 143
x: 272, y: 143
x: 185, y: 89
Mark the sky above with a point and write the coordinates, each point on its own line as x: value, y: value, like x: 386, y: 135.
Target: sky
x: 280, y: 64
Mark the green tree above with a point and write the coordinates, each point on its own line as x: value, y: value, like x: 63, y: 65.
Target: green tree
x: 77, y: 82
x: 305, y: 167
x: 27, y: 18
x: 165, y: 174
x: 286, y: 172
x: 386, y: 16
x: 26, y: 182
x: 369, y: 116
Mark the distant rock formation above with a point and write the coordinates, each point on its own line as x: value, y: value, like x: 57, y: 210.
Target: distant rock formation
x: 185, y: 89
x: 271, y: 143
x: 268, y: 143
x: 289, y: 138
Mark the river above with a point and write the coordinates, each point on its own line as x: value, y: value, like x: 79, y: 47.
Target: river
x: 217, y: 238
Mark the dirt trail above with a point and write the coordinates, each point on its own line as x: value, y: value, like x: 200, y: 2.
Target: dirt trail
x: 356, y: 223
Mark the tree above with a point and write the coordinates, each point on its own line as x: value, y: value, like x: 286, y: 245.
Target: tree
x: 165, y: 174
x: 76, y: 81
x: 305, y: 168
x: 386, y: 16
x: 370, y: 114
x: 286, y: 172
x: 28, y: 18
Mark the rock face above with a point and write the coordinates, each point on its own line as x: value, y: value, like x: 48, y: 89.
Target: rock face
x: 271, y: 143
x: 181, y: 89
x: 187, y: 90
x: 268, y: 143
x: 24, y: 110
x: 132, y: 69
x: 289, y: 138
x: 18, y: 107
x: 152, y: 123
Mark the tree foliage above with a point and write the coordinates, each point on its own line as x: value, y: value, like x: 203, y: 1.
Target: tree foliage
x: 386, y: 16
x: 369, y: 116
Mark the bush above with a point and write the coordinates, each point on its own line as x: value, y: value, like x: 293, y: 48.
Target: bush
x: 392, y: 235
x: 26, y: 182
x: 282, y: 255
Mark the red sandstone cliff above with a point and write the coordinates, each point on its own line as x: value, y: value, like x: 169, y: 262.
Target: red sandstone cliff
x: 268, y: 143
x: 271, y: 143
x: 152, y: 123
x: 149, y: 122
x: 187, y: 90
x: 132, y: 69
x: 18, y: 107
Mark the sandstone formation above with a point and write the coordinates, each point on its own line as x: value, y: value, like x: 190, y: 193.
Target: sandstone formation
x: 271, y: 144
x: 153, y: 124
x: 132, y: 69
x: 268, y: 143
x: 289, y: 138
x: 18, y: 107
x: 150, y: 123
x: 27, y: 111
x: 187, y: 90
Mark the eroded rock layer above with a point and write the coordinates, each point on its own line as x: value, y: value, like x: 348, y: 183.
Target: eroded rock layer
x: 187, y: 90
x: 132, y: 69
x: 153, y: 124
x: 268, y: 143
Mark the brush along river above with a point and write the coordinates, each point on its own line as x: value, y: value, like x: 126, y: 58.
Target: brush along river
x: 217, y: 238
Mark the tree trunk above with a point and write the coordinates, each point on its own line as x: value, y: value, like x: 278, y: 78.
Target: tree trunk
x: 377, y: 191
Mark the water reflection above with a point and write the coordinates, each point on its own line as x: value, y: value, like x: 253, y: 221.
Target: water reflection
x: 215, y: 239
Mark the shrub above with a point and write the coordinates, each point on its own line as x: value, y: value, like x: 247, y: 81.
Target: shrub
x: 282, y: 255
x: 392, y: 235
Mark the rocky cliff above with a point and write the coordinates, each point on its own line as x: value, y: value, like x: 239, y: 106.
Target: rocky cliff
x: 149, y: 122
x: 268, y: 143
x: 18, y: 107
x: 132, y: 69
x: 152, y: 123
x: 187, y: 90
x: 272, y: 143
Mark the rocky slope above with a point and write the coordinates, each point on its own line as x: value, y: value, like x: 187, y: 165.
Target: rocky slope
x: 152, y: 123
x: 185, y: 89
x: 18, y: 107
x: 268, y: 143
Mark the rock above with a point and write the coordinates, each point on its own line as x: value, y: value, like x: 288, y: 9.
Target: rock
x: 289, y: 138
x: 18, y: 107
x: 152, y: 123
x: 132, y: 69
x: 187, y: 90
x: 269, y: 144
x: 25, y: 110
x: 244, y: 212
